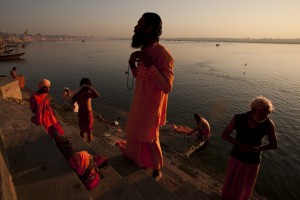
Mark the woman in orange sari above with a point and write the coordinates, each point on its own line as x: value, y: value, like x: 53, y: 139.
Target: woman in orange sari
x: 20, y: 78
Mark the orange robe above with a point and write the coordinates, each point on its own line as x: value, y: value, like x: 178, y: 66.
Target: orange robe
x: 43, y: 113
x: 148, y: 108
x: 20, y: 78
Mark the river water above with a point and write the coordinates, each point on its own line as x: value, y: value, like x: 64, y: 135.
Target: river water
x: 214, y: 81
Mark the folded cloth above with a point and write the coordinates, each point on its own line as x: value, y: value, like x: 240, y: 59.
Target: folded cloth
x: 122, y: 145
x: 181, y: 129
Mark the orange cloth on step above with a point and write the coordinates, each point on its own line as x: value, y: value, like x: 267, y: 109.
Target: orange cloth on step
x: 122, y: 145
x: 149, y: 107
x: 181, y: 129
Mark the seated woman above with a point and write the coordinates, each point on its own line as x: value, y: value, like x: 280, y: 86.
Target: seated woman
x: 20, y: 78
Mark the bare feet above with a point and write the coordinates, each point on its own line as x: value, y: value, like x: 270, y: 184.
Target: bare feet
x: 82, y: 135
x: 157, y: 175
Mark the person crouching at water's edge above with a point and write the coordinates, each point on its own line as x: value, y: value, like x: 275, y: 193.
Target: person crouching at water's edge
x: 202, y: 130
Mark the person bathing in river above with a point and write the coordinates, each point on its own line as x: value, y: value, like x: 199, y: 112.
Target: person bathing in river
x: 85, y: 112
x: 202, y: 130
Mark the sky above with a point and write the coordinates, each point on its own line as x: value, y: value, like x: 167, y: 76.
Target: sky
x: 181, y: 18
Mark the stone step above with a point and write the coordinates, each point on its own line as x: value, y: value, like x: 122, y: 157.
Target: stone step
x: 37, y: 168
x: 137, y: 178
x: 140, y: 179
x: 194, y: 181
x: 39, y: 171
x: 175, y: 180
x: 123, y: 180
x: 7, y: 187
x: 189, y: 182
x: 112, y: 186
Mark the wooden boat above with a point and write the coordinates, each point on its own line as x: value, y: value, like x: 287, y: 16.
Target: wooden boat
x: 11, y: 55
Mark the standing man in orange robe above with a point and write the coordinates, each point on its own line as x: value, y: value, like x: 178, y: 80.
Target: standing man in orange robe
x: 154, y: 80
x: 42, y: 110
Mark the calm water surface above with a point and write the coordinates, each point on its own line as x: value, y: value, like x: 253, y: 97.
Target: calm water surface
x: 216, y: 82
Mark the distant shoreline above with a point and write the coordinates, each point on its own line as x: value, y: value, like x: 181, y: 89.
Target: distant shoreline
x: 220, y: 40
x: 216, y: 40
x: 55, y: 38
x: 238, y: 40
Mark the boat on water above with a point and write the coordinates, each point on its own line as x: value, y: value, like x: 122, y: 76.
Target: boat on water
x: 10, y: 50
x: 10, y: 54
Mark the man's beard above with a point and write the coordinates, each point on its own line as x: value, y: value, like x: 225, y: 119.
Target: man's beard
x: 43, y: 90
x: 138, y: 39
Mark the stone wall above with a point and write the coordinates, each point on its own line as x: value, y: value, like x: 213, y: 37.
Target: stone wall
x: 7, y: 189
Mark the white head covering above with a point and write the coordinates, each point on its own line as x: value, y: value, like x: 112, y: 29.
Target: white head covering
x: 44, y: 83
x: 66, y: 89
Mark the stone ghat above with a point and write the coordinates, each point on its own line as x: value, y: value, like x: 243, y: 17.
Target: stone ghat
x: 32, y: 167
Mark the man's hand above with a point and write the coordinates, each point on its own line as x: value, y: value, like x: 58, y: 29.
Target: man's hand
x: 134, y: 57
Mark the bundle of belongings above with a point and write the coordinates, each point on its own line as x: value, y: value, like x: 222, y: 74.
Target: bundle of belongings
x: 86, y: 166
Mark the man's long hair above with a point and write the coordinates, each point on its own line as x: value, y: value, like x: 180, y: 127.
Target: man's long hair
x: 153, y: 20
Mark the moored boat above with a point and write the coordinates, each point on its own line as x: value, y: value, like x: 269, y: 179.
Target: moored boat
x: 9, y: 51
x: 11, y: 55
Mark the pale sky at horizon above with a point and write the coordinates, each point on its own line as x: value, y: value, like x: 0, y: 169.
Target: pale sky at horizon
x: 181, y: 18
